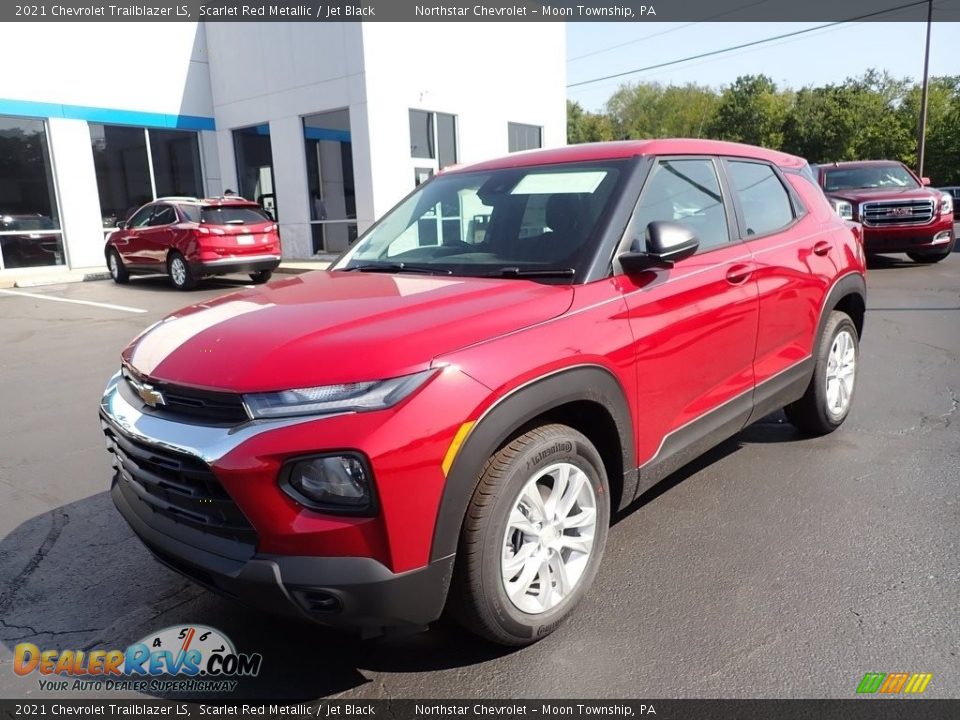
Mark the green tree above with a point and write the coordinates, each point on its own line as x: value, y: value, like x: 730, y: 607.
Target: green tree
x: 652, y: 110
x: 584, y: 126
x: 752, y: 110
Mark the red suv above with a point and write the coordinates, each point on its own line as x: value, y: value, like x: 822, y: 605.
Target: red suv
x: 450, y: 415
x: 189, y: 238
x: 898, y: 212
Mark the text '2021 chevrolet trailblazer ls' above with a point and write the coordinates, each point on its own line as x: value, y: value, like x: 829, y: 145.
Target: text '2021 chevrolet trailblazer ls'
x: 450, y: 415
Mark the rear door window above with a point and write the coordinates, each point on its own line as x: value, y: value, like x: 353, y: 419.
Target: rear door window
x: 764, y: 200
x: 163, y: 215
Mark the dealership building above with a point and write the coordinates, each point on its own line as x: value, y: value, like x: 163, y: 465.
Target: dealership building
x: 327, y: 125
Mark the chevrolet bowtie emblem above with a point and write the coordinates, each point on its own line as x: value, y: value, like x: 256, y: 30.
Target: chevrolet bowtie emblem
x: 148, y: 394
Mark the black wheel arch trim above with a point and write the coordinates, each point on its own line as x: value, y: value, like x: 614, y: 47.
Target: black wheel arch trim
x: 852, y: 283
x: 592, y: 383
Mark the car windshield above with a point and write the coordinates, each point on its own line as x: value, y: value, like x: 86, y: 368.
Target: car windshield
x: 538, y: 222
x: 872, y: 176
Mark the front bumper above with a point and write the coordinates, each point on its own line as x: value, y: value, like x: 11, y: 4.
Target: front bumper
x: 906, y: 239
x: 349, y: 591
x: 236, y: 264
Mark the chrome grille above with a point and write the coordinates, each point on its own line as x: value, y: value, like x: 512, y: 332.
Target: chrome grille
x: 896, y: 212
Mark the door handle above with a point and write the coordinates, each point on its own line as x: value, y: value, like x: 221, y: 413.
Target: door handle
x: 822, y: 248
x: 739, y: 274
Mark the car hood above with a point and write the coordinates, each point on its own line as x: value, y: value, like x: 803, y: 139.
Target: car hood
x: 858, y: 195
x: 335, y: 327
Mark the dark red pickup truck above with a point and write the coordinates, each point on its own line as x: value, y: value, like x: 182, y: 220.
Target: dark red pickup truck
x: 899, y: 213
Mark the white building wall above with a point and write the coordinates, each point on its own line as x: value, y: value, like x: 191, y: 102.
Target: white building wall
x: 147, y: 67
x: 76, y: 181
x: 487, y: 74
x: 275, y: 73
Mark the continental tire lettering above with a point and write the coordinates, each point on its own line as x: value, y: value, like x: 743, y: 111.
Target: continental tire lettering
x: 549, y: 628
x: 559, y: 447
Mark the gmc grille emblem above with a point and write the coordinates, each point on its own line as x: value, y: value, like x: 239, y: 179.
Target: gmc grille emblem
x: 901, y: 211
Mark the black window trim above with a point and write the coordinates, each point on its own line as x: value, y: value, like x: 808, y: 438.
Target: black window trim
x: 792, y: 198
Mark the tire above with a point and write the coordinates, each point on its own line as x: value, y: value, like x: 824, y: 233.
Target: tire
x: 492, y: 538
x: 118, y: 270
x: 261, y: 277
x: 928, y: 257
x: 825, y: 405
x: 181, y: 277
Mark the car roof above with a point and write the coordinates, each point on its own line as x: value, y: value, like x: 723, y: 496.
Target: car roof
x: 859, y: 163
x: 622, y: 149
x: 232, y: 201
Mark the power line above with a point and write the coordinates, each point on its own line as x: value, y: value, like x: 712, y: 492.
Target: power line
x: 664, y: 32
x: 746, y: 45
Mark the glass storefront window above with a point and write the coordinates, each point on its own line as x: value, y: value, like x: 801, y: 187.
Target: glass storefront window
x: 29, y: 222
x: 123, y: 171
x: 333, y: 203
x: 123, y: 156
x: 255, y: 166
x: 176, y: 163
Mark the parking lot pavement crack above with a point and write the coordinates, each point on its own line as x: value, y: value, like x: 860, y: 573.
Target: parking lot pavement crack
x: 58, y: 521
x: 954, y: 404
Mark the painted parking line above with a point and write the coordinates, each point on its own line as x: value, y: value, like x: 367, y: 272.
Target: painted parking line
x: 108, y: 306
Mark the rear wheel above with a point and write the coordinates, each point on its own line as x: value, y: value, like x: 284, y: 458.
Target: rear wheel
x: 180, y: 274
x: 118, y: 270
x: 262, y: 276
x: 533, y: 536
x: 827, y: 401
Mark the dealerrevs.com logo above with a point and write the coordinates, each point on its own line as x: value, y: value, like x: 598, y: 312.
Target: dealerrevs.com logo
x: 192, y: 658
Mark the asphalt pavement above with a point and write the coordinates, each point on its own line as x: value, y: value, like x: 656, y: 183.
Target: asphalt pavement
x: 774, y: 566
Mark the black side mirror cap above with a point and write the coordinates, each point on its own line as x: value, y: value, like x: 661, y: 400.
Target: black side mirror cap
x: 121, y: 225
x: 665, y: 243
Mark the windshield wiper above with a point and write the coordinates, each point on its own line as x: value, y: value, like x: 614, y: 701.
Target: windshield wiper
x: 520, y: 273
x: 399, y: 267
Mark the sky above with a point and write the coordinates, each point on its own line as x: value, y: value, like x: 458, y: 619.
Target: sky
x: 829, y: 55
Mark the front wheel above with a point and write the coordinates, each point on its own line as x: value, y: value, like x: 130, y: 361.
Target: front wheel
x: 828, y: 398
x: 533, y: 536
x: 181, y: 276
x: 118, y: 270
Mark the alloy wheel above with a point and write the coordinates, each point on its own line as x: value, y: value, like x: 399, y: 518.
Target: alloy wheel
x: 841, y: 373
x: 549, y: 538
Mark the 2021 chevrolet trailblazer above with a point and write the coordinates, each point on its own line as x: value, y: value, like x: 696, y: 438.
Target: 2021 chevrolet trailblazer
x: 450, y: 415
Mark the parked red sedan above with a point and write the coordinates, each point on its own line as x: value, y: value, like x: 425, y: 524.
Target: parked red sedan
x: 188, y: 239
x: 451, y: 415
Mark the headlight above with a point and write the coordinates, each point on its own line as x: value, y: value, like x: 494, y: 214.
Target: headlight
x: 946, y: 205
x: 843, y: 208
x: 350, y: 397
x: 337, y: 482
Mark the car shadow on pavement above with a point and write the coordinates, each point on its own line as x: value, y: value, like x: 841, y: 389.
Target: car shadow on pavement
x: 77, y: 578
x: 773, y: 428
x: 161, y: 284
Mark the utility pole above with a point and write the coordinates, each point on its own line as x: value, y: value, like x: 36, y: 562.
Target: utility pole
x: 922, y: 130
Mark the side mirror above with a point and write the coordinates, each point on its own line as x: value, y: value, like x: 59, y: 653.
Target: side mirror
x: 121, y: 225
x: 925, y: 180
x: 665, y: 244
